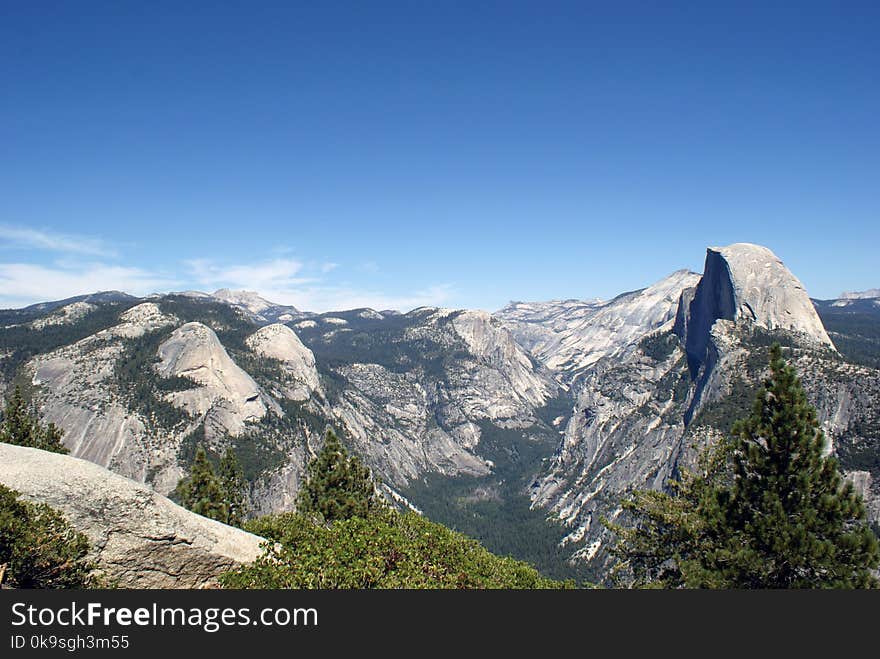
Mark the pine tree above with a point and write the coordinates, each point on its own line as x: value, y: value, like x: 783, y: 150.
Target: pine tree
x: 803, y: 526
x: 338, y: 486
x: 202, y: 492
x: 676, y: 530
x: 233, y: 486
x: 764, y: 510
x: 21, y: 426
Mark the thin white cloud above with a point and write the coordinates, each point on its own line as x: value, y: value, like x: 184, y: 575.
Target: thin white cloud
x: 27, y: 238
x: 26, y: 283
x: 286, y: 281
x: 282, y: 281
x: 260, y: 277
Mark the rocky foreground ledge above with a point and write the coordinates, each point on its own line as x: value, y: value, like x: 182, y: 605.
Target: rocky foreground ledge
x: 139, y: 538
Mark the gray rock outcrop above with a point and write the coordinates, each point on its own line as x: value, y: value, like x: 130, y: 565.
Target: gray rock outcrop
x: 140, y: 320
x: 629, y: 384
x: 139, y: 538
x: 227, y: 395
x: 74, y: 391
x: 493, y: 346
x: 279, y: 342
x: 64, y: 315
x: 569, y: 337
x: 870, y: 294
x: 746, y: 283
x: 410, y: 421
x: 252, y: 305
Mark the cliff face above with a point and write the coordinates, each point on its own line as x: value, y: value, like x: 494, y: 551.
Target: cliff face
x: 407, y: 392
x: 228, y: 396
x: 138, y: 538
x: 767, y: 294
x: 417, y: 408
x: 626, y: 431
x: 493, y: 346
x: 74, y: 386
x: 569, y: 337
x: 746, y: 283
x: 280, y: 343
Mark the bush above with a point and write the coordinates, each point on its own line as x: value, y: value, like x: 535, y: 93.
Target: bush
x: 38, y: 548
x: 388, y: 549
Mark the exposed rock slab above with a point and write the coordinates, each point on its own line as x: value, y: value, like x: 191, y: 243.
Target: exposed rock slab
x: 64, y: 315
x: 747, y: 284
x: 74, y: 393
x: 281, y: 343
x: 394, y: 421
x: 139, y: 538
x: 637, y: 413
x: 494, y: 346
x: 140, y: 320
x: 870, y: 294
x: 228, y: 395
x: 571, y: 336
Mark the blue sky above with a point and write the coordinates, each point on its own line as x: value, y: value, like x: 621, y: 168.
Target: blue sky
x: 450, y: 153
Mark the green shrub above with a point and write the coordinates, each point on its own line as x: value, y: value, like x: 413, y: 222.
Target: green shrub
x: 388, y: 549
x: 39, y: 548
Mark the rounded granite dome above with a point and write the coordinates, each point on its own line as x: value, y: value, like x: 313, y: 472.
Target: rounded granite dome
x: 766, y: 292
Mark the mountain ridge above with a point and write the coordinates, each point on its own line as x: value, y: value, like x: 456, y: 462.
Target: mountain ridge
x: 552, y: 408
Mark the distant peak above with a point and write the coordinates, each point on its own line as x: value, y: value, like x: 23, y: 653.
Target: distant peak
x: 229, y: 291
x: 869, y: 294
x: 250, y: 300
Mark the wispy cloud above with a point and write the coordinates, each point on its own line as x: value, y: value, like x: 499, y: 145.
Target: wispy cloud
x: 287, y: 281
x: 25, y: 283
x: 28, y: 238
x: 265, y: 276
x: 284, y: 281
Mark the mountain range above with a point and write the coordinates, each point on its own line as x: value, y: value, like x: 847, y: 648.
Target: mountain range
x: 523, y: 427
